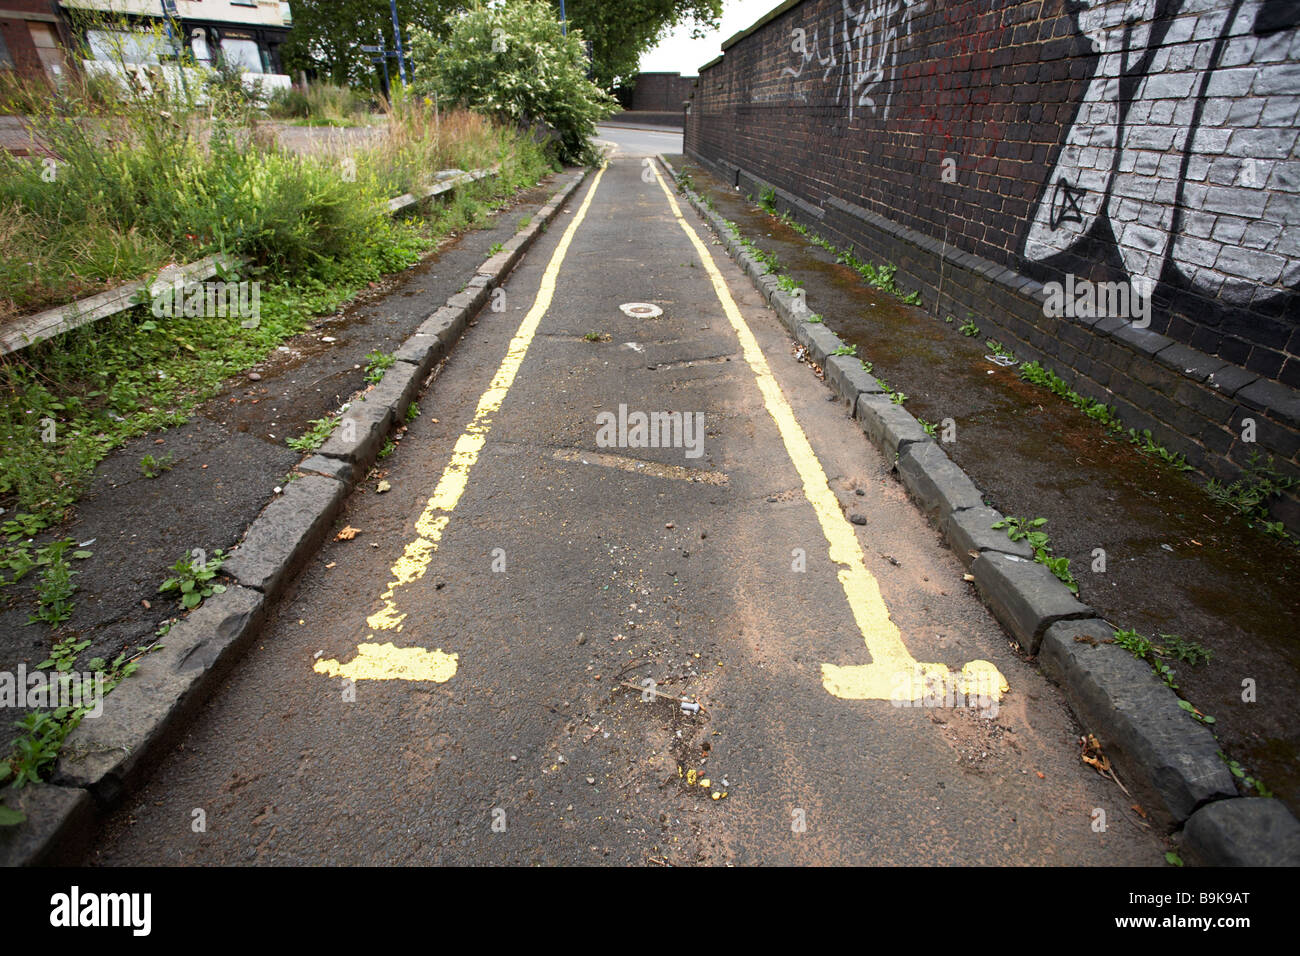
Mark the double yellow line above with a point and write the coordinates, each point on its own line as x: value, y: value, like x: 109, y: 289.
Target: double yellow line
x: 893, y: 673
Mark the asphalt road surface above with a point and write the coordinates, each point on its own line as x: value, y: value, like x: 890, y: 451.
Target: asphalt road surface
x: 462, y: 682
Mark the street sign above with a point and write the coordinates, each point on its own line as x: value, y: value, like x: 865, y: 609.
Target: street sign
x: 372, y: 49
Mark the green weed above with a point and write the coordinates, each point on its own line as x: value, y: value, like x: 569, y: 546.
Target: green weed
x: 152, y: 467
x: 376, y: 364
x: 1026, y: 529
x: 315, y: 436
x: 191, y: 580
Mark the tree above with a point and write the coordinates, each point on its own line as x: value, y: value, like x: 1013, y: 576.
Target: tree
x: 327, y: 35
x: 620, y: 32
x: 510, y: 60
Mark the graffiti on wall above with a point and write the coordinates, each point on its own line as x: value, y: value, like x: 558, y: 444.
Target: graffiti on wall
x: 861, y: 51
x: 1185, y: 143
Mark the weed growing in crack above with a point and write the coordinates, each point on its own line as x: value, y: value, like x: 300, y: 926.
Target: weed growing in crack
x: 191, y: 580
x: 1026, y: 529
x: 315, y: 436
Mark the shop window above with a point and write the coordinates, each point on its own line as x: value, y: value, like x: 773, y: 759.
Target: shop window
x: 242, y: 53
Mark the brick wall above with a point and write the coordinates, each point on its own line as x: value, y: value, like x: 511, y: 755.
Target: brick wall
x: 992, y: 148
x: 659, y: 92
x: 15, y: 30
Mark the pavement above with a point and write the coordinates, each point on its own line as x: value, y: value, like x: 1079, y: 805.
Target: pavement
x: 490, y: 669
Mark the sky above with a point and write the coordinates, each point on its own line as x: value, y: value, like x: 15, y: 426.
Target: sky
x: 678, y: 53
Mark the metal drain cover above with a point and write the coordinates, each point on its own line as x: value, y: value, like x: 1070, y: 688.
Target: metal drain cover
x: 641, y: 310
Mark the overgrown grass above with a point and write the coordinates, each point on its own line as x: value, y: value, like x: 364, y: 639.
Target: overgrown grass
x: 147, y: 185
x: 319, y: 104
x: 159, y: 180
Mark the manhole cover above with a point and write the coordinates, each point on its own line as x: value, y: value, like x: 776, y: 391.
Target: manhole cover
x: 641, y: 310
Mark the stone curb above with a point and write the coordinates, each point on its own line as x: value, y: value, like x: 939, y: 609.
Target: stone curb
x: 1244, y: 831
x: 1025, y: 596
x: 1110, y: 690
x: 110, y: 755
x: 58, y: 818
x: 106, y: 754
x: 1135, y: 716
x: 285, y: 534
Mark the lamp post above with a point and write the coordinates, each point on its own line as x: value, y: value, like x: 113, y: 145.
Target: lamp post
x: 169, y: 11
x: 564, y: 21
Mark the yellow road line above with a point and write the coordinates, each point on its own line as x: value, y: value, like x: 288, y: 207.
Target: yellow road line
x: 385, y: 661
x: 893, y: 673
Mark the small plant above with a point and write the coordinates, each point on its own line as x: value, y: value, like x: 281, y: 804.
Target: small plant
x: 1022, y: 529
x: 191, y: 580
x: 315, y: 436
x: 55, y: 590
x: 376, y: 364
x: 969, y: 328
x: 881, y: 277
x: 1026, y: 529
x: 35, y: 749
x: 1166, y: 674
x: 1134, y: 643
x: 816, y: 318
x: 1190, y: 652
x: 390, y: 446
x: 23, y: 525
x: 1250, y: 494
x: 412, y: 411
x: 1000, y: 350
x: 787, y: 284
x: 767, y: 199
x: 1247, y: 781
x: 928, y: 427
x: 64, y: 655
x: 1196, y: 714
x: 1173, y: 859
x: 596, y: 337
x: 1171, y: 645
x: 152, y: 467
x: 1148, y: 447
x: 495, y: 248
x: 851, y: 350
x: 898, y: 398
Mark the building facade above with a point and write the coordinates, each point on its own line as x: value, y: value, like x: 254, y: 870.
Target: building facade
x: 39, y: 37
x: 33, y: 37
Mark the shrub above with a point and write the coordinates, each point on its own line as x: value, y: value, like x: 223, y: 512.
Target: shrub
x: 513, y: 62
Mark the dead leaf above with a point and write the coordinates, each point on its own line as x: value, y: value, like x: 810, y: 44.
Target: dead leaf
x: 347, y: 534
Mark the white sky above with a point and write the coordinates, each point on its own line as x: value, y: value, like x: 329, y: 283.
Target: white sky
x: 678, y: 53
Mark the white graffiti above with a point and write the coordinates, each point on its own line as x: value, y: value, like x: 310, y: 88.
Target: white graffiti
x: 862, y: 48
x: 1195, y: 161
